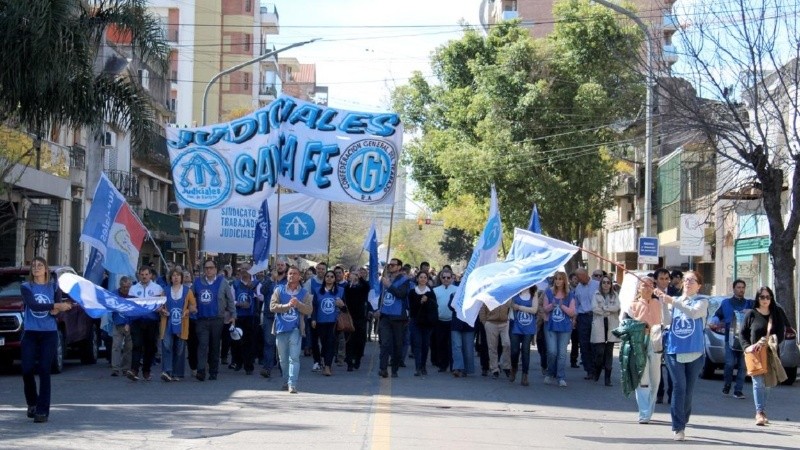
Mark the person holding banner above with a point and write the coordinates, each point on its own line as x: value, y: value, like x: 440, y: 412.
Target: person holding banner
x: 290, y: 302
x: 685, y: 347
x: 327, y: 302
x: 392, y: 315
x: 524, y: 306
x: 559, y: 304
x: 174, y: 328
x: 42, y: 301
x: 214, y: 301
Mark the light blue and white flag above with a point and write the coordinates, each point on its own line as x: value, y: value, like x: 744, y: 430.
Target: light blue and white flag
x: 485, y: 252
x: 97, y: 301
x: 532, y: 259
x: 534, y: 224
x: 94, y: 270
x: 261, y: 240
x: 371, y: 245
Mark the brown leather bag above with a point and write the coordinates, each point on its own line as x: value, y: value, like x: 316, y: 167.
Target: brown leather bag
x: 344, y: 322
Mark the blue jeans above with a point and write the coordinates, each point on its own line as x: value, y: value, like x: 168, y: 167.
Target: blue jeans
x: 269, y: 344
x: 684, y: 376
x: 557, y: 353
x: 584, y: 325
x: 521, y: 343
x: 289, y: 353
x: 173, y: 355
x: 421, y: 339
x: 734, y: 360
x: 760, y: 393
x: 648, y: 385
x: 38, y: 350
x: 463, y: 345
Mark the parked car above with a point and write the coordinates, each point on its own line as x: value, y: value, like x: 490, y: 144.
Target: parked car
x: 715, y: 345
x: 77, y: 332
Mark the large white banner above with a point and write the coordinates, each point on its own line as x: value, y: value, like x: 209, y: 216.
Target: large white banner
x: 325, y: 153
x: 302, y: 228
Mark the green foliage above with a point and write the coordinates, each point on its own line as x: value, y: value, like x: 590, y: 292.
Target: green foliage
x: 529, y: 116
x: 456, y: 244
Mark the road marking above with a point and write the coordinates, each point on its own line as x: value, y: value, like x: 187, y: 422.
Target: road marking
x: 382, y: 425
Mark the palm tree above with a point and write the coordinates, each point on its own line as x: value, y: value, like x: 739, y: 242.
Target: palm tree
x: 50, y: 73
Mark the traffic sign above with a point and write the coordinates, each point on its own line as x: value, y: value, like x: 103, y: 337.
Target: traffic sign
x: 648, y: 250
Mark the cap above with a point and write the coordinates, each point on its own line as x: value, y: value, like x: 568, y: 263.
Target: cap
x: 236, y: 333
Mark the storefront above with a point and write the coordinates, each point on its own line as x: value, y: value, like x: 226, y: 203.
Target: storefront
x: 751, y: 261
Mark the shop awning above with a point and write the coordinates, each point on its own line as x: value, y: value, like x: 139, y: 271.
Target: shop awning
x: 163, y: 227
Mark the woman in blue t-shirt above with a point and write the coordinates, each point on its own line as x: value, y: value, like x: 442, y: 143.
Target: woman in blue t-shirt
x: 684, y: 351
x: 523, y: 328
x: 40, y: 339
x: 327, y: 302
x: 559, y: 305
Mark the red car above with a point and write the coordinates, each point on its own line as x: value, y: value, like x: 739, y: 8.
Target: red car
x: 77, y: 332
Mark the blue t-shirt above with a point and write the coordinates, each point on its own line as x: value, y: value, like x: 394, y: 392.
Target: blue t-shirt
x: 325, y: 309
x: 39, y: 300
x: 558, y: 321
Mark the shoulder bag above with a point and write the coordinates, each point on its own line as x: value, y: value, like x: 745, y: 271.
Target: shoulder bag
x: 756, y: 360
x: 344, y: 322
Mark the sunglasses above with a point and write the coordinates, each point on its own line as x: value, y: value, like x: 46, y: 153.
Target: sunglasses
x: 597, y: 275
x: 446, y: 278
x: 765, y: 296
x: 606, y: 282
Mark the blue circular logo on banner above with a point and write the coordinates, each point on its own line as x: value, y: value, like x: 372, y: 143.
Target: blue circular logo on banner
x: 202, y: 178
x: 297, y: 226
x: 492, y: 236
x: 367, y: 170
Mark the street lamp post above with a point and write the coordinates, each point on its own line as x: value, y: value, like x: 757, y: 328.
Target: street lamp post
x: 648, y: 130
x: 239, y: 66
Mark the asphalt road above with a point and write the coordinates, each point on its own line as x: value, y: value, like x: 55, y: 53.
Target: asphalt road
x: 92, y: 410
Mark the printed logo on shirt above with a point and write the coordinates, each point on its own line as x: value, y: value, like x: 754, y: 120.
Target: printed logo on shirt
x: 327, y: 306
x: 290, y: 316
x: 558, y: 314
x: 242, y: 298
x: 42, y: 300
x: 524, y: 318
x: 388, y: 299
x: 175, y: 316
x: 205, y: 296
x: 682, y: 327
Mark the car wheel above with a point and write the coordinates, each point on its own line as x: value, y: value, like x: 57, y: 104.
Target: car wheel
x: 791, y: 373
x: 89, y: 351
x: 708, y: 369
x: 58, y: 359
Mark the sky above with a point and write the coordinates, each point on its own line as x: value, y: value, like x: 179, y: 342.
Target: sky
x: 369, y: 47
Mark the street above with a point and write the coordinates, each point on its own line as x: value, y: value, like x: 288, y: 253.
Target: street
x: 92, y: 410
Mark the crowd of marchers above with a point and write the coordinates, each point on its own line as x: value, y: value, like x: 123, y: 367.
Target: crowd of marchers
x: 231, y: 318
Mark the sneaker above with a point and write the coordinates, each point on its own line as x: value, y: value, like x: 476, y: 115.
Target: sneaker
x: 678, y: 436
x: 165, y: 376
x: 266, y: 373
x: 495, y: 375
x: 726, y: 390
x: 644, y: 421
x: 548, y: 379
x: 132, y: 375
x: 739, y: 395
x: 292, y: 390
x: 40, y: 418
x: 146, y: 376
x: 383, y: 373
x: 316, y: 367
x: 562, y: 383
x: 201, y: 376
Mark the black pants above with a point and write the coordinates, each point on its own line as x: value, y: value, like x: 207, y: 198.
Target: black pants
x: 391, y: 336
x: 603, y: 357
x: 541, y: 345
x: 208, y: 343
x: 575, y: 346
x: 225, y: 337
x: 327, y: 335
x: 243, y: 351
x: 354, y: 348
x: 38, y: 350
x: 481, y: 345
x: 315, y: 344
x: 441, y: 351
x: 144, y: 335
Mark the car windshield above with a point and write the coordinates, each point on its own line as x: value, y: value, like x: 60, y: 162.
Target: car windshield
x: 10, y: 285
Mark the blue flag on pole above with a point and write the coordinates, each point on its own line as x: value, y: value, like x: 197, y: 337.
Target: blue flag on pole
x: 485, y: 252
x: 261, y: 240
x: 534, y: 224
x: 97, y: 301
x: 371, y: 245
x: 94, y: 267
x: 532, y: 259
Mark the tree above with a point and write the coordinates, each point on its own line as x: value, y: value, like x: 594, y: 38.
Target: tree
x: 743, y: 57
x: 456, y: 244
x: 529, y: 116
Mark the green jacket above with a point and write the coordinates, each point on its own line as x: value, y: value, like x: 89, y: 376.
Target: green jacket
x: 632, y: 353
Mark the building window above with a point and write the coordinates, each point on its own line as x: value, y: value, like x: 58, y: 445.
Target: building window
x: 246, y: 42
x: 246, y: 82
x: 248, y: 5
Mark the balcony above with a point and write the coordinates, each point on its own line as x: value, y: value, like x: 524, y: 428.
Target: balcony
x: 77, y: 166
x: 269, y: 19
x: 670, y: 23
x: 670, y: 54
x: 126, y: 183
x: 626, y: 187
x: 267, y: 91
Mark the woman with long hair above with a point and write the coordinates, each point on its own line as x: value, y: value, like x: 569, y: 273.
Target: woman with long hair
x: 559, y: 304
x: 647, y: 309
x: 605, y: 318
x: 174, y: 327
x: 327, y: 302
x: 424, y: 312
x: 761, y: 322
x: 524, y: 306
x: 685, y: 347
x: 42, y: 300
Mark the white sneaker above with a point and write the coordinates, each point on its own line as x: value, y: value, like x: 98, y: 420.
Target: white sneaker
x: 548, y: 380
x: 316, y: 368
x: 562, y: 383
x: 678, y: 436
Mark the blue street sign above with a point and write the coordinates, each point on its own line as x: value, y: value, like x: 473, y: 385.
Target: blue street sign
x: 648, y: 250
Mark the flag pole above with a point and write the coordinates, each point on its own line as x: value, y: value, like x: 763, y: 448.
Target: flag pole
x: 278, y: 221
x: 330, y: 227
x: 617, y: 265
x: 389, y: 241
x: 158, y: 249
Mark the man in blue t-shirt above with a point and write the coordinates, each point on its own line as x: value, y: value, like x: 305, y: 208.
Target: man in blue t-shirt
x: 731, y: 315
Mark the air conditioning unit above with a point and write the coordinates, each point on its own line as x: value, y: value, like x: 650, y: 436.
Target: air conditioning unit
x: 144, y: 78
x: 173, y: 209
x: 109, y: 139
x: 153, y: 184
